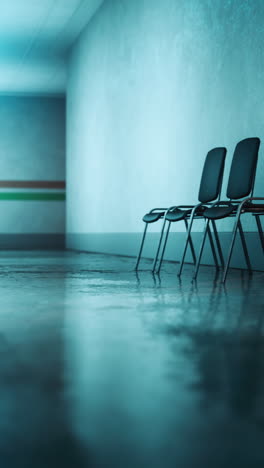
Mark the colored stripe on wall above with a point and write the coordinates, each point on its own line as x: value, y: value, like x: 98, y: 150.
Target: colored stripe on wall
x: 43, y: 196
x: 38, y: 184
x: 47, y: 195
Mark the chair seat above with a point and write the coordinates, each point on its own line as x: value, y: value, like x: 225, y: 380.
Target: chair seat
x: 219, y: 212
x: 177, y: 215
x: 153, y: 217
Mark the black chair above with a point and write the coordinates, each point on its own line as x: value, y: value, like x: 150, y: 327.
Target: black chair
x: 240, y: 197
x: 210, y: 188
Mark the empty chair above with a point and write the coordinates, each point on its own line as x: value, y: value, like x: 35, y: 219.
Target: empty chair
x: 240, y: 196
x: 210, y: 188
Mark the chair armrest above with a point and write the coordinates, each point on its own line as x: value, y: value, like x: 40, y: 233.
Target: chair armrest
x: 251, y: 207
x: 157, y: 209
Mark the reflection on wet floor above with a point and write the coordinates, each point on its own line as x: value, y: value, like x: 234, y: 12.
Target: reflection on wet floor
x: 101, y: 366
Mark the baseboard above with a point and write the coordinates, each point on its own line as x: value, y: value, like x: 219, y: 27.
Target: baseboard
x: 128, y: 244
x: 32, y: 241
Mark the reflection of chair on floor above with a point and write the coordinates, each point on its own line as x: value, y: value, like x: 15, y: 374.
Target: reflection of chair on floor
x: 240, y: 194
x: 210, y: 188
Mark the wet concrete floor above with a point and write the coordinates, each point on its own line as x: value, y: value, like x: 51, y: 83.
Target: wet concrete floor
x: 101, y: 367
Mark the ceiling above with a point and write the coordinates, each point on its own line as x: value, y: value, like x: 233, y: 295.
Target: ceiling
x: 35, y: 39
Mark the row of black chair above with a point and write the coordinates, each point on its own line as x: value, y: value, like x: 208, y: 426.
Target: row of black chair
x: 240, y: 200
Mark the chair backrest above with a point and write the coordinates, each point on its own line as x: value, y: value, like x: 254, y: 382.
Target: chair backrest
x: 212, y: 176
x: 243, y: 169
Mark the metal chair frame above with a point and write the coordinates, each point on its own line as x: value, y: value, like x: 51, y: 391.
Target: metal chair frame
x: 239, y: 208
x: 188, y: 240
x: 164, y: 211
x: 260, y: 230
x: 238, y: 211
x: 194, y: 214
x: 242, y: 208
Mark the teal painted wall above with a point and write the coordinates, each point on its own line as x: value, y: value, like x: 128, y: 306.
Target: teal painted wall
x: 32, y: 147
x: 152, y: 86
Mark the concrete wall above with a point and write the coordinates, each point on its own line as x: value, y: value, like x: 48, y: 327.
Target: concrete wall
x: 32, y: 148
x: 152, y: 86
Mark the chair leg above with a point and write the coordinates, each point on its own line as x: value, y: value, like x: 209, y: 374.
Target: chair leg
x: 159, y: 245
x: 191, y: 242
x: 201, y: 250
x: 188, y: 239
x: 219, y: 248
x: 141, y: 246
x: 212, y: 246
x: 231, y: 248
x: 260, y: 231
x: 164, y: 246
x: 244, y: 245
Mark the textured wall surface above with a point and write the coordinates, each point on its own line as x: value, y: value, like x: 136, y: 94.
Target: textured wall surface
x: 152, y: 86
x: 32, y: 148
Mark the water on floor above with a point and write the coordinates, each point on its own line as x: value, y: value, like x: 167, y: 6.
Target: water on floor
x: 103, y: 367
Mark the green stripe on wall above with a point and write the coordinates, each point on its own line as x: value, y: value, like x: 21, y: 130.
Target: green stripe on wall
x: 32, y: 196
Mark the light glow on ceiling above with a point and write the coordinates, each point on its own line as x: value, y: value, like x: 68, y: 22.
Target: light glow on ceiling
x: 35, y: 40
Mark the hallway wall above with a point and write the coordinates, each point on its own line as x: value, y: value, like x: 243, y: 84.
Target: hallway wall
x: 32, y: 151
x: 152, y: 87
